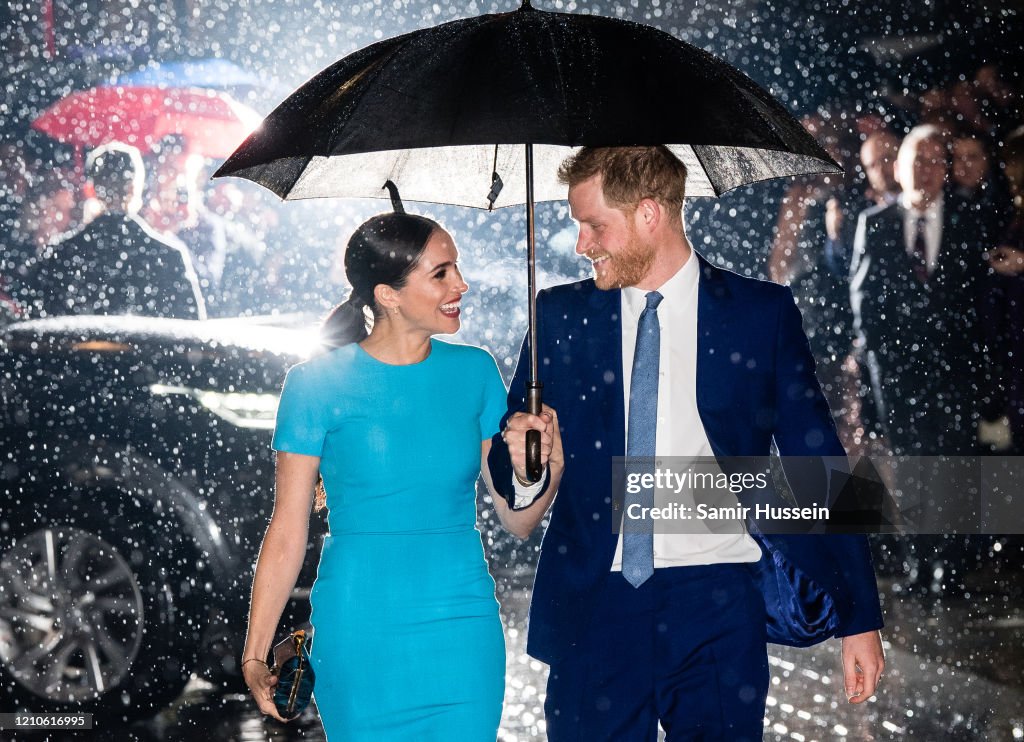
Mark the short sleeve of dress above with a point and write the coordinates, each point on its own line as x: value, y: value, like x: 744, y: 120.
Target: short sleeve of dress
x: 495, y: 398
x: 301, y: 427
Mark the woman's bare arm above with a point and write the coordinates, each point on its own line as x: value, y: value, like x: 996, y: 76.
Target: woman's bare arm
x: 277, y: 569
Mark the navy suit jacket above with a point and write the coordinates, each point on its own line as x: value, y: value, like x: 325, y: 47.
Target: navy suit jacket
x: 755, y: 384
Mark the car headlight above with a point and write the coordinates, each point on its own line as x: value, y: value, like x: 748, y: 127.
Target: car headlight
x: 244, y: 409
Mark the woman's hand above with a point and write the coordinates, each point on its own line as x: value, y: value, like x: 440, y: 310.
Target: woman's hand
x: 261, y: 684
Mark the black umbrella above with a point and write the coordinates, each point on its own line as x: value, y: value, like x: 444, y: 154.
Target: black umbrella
x: 448, y: 113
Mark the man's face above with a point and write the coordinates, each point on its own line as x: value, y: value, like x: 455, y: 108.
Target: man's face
x: 921, y: 168
x: 172, y: 209
x: 878, y: 158
x: 970, y: 162
x: 608, y: 237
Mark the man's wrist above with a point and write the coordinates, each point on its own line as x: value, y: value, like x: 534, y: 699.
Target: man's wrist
x: 527, y: 493
x: 521, y: 480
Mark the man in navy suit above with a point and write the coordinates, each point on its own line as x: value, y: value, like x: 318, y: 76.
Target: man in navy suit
x: 663, y: 354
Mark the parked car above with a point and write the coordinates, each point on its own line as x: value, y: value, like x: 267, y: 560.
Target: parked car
x: 136, y: 481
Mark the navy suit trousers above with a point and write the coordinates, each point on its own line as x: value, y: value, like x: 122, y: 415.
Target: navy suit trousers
x: 687, y: 648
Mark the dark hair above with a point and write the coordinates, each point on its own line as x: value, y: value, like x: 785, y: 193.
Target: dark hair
x: 115, y: 170
x: 383, y: 250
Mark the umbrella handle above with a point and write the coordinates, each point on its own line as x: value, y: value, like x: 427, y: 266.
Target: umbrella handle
x: 534, y: 401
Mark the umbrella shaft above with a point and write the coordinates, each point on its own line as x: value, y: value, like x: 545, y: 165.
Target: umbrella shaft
x: 531, y: 286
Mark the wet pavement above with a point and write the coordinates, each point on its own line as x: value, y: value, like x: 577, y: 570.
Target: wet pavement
x: 954, y: 668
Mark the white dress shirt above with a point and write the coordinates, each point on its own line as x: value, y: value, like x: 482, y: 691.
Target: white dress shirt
x: 680, y: 432
x: 932, y: 229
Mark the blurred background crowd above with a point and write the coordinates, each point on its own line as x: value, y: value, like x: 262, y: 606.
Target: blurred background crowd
x: 182, y: 82
x: 890, y: 344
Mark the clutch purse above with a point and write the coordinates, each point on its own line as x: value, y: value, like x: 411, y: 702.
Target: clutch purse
x: 295, y: 675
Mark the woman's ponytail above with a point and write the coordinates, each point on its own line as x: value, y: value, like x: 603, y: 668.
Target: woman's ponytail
x: 347, y: 323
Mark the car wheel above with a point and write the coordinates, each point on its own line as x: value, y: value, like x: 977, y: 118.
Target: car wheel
x: 74, y: 613
x: 89, y: 615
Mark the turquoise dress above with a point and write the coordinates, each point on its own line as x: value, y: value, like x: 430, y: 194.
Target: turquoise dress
x: 407, y: 641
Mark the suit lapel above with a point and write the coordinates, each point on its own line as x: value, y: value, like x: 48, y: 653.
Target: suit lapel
x: 714, y: 325
x: 954, y: 260
x: 602, y: 378
x: 904, y: 264
x: 604, y: 357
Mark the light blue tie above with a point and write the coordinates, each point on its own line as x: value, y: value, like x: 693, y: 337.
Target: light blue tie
x: 638, y: 548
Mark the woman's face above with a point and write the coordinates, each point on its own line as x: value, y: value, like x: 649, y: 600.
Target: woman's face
x: 431, y: 299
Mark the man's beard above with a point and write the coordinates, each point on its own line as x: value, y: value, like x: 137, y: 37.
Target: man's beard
x: 628, y: 267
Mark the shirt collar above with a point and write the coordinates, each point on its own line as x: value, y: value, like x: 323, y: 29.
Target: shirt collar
x: 674, y: 290
x: 930, y: 214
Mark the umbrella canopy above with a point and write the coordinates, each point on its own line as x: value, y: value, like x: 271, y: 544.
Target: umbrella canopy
x: 212, y: 122
x: 438, y: 111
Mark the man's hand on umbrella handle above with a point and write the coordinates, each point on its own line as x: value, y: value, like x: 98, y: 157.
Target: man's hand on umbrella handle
x: 514, y: 436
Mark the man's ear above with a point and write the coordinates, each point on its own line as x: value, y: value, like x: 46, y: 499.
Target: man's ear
x: 648, y: 214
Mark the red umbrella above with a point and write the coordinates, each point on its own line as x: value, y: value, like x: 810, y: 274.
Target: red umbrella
x: 213, y: 122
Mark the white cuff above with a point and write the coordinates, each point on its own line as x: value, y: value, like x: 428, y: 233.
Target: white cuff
x: 526, y: 495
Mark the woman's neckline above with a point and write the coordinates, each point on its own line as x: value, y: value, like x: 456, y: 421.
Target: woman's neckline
x: 430, y: 353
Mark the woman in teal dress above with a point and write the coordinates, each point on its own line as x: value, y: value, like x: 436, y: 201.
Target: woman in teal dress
x: 407, y: 641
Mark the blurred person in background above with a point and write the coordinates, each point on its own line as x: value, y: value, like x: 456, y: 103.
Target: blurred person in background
x: 918, y: 276
x: 964, y: 107
x: 245, y: 245
x: 116, y: 264
x: 920, y: 291
x: 877, y: 187
x: 47, y: 211
x: 971, y: 166
x: 999, y: 102
x: 982, y: 187
x: 933, y: 107
x: 175, y: 207
x: 274, y: 271
x: 1006, y: 317
x: 50, y: 210
x: 878, y: 161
